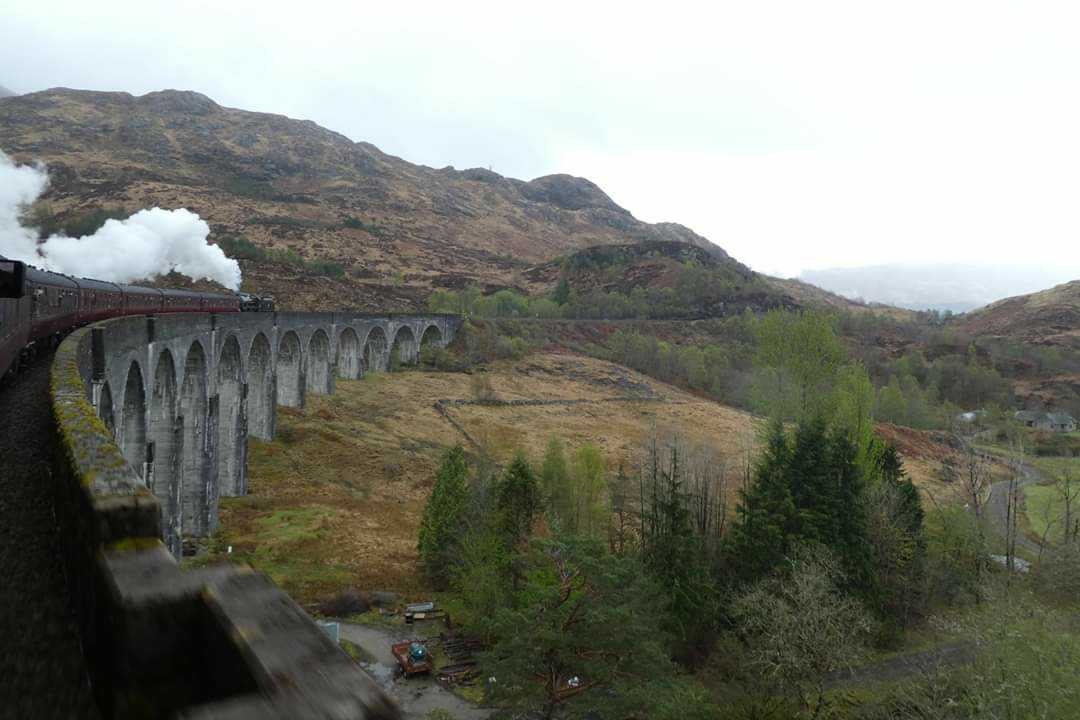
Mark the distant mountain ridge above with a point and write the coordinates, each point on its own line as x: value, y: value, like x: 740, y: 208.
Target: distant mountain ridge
x: 268, y: 182
x: 4, y: 92
x: 958, y: 288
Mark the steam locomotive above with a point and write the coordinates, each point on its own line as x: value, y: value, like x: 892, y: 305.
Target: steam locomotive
x: 37, y: 308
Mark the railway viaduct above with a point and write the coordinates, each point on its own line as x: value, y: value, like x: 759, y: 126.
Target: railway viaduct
x: 153, y: 415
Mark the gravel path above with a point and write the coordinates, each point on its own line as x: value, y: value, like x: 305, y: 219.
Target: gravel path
x: 42, y: 673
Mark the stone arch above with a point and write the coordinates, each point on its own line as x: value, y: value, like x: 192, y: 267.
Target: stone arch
x: 232, y: 420
x: 319, y: 377
x: 166, y: 433
x: 403, y: 351
x: 349, y: 363
x: 133, y: 420
x: 197, y: 493
x: 105, y: 409
x: 431, y: 339
x: 261, y: 394
x: 290, y: 388
x: 375, y: 350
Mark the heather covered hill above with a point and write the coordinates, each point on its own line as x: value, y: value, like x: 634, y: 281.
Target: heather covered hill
x: 294, y: 200
x: 1049, y: 317
x: 669, y: 279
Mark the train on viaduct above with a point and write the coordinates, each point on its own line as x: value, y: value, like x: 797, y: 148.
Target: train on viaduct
x: 154, y: 394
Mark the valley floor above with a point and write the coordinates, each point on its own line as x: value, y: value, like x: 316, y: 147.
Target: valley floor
x: 335, y: 501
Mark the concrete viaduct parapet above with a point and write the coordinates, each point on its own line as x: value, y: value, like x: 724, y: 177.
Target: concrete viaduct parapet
x: 153, y: 415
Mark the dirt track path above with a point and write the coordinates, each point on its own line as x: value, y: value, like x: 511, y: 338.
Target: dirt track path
x: 902, y: 666
x: 997, y: 507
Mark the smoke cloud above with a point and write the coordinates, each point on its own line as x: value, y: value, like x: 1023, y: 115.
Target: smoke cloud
x: 148, y: 244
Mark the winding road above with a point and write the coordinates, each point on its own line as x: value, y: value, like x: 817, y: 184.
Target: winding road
x: 997, y: 507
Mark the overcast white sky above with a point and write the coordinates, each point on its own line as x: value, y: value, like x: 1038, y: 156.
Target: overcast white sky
x: 795, y: 135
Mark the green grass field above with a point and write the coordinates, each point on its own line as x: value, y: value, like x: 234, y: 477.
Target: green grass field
x: 1044, y: 511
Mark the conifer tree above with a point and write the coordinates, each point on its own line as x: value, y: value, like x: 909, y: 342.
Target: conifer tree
x: 897, y: 539
x: 766, y: 513
x: 561, y: 294
x: 517, y: 501
x: 675, y: 555
x: 555, y: 479
x: 808, y: 489
x: 444, y: 516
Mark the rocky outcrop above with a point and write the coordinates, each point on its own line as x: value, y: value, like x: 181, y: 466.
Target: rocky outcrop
x: 569, y: 193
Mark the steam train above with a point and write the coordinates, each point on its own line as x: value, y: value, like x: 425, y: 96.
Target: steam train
x: 37, y: 308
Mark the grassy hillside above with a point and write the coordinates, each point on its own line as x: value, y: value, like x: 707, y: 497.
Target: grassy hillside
x: 1049, y: 317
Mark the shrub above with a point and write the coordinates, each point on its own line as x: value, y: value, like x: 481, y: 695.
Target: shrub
x: 328, y: 268
x: 345, y: 603
x: 74, y: 225
x: 287, y: 434
x: 248, y: 187
x: 355, y: 223
x: 482, y: 391
x: 240, y: 248
x: 519, y: 348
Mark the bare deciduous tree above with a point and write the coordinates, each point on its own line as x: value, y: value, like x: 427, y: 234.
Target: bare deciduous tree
x: 1012, y: 504
x: 1068, y: 490
x: 799, y: 627
x: 975, y: 474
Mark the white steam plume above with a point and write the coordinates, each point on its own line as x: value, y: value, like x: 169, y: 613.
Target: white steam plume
x: 147, y: 244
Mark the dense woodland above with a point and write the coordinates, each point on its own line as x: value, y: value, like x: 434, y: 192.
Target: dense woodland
x: 743, y: 587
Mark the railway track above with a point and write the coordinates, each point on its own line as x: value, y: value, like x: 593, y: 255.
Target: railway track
x: 42, y: 671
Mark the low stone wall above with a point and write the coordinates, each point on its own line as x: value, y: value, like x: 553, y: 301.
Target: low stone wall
x: 221, y: 642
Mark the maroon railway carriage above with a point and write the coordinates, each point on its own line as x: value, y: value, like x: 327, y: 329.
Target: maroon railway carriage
x: 54, y: 303
x: 98, y: 300
x: 188, y: 301
x: 140, y: 300
x: 38, y: 307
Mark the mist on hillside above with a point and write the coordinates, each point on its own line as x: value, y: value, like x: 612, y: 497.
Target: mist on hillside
x: 954, y: 287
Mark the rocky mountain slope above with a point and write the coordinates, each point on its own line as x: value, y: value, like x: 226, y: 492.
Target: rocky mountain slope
x: 1048, y: 317
x: 388, y: 229
x: 732, y: 286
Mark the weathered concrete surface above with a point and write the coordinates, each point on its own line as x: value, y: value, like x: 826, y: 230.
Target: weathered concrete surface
x: 149, y: 436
